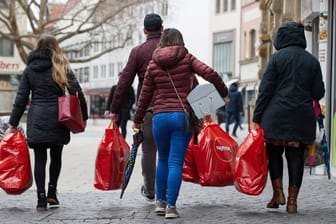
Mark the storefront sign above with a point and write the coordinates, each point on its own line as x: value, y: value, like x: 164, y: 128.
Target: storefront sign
x: 7, y: 66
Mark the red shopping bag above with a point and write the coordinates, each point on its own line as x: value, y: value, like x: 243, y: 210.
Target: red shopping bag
x: 112, y: 155
x: 15, y: 170
x: 70, y: 113
x: 214, y: 156
x: 189, y: 172
x: 250, y: 166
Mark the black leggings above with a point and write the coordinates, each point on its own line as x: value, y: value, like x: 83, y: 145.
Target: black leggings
x: 40, y: 152
x: 295, y: 162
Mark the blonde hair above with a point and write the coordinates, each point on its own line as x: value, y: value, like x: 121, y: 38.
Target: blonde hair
x: 61, y: 65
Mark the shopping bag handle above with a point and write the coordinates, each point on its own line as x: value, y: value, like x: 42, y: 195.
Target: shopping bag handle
x: 112, y: 124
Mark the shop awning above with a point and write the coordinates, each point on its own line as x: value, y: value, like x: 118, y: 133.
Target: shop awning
x: 103, y: 91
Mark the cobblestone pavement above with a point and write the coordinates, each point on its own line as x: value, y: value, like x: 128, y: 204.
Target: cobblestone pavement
x: 81, y: 203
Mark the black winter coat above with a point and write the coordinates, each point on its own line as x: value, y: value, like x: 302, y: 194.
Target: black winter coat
x: 292, y: 80
x: 42, y: 120
x: 235, y: 105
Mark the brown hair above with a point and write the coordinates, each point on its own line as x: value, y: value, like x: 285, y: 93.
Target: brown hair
x: 171, y: 37
x: 61, y: 65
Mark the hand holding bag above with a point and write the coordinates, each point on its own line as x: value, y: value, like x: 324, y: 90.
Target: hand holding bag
x: 250, y: 166
x: 70, y: 113
x: 15, y: 170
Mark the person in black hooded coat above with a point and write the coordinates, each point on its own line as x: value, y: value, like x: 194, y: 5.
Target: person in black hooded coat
x: 45, y: 76
x: 284, y: 109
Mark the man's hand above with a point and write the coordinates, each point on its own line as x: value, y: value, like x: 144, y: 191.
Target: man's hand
x: 114, y: 117
x: 107, y: 113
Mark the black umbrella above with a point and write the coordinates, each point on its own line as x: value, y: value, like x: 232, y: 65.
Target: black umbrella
x: 137, y: 139
x: 324, y: 144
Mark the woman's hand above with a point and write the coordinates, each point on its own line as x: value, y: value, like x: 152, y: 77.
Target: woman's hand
x: 255, y: 125
x: 136, y: 126
x: 226, y: 100
x: 11, y: 129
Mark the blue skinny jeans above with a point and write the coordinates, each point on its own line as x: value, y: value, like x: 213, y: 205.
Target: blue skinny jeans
x: 172, y: 142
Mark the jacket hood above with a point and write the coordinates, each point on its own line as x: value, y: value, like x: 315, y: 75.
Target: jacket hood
x: 168, y: 57
x: 40, y: 59
x: 290, y: 34
x: 233, y: 87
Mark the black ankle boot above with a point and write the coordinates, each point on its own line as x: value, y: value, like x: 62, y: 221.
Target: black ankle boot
x: 52, y: 199
x: 41, y: 202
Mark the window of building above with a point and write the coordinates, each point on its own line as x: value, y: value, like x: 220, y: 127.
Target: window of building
x: 223, y: 52
x: 233, y: 5
x: 164, y: 11
x: 120, y: 67
x: 111, y: 70
x: 252, y: 43
x: 95, y: 72
x: 103, y: 71
x: 217, y: 9
x: 86, y: 74
x: 6, y: 48
x: 95, y: 47
x: 245, y: 46
x: 225, y: 5
x: 3, y: 4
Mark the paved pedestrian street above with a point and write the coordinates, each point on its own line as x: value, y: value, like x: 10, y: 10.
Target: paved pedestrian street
x: 82, y: 203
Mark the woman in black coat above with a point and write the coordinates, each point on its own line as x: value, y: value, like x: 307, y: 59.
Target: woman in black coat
x: 284, y: 108
x: 46, y: 75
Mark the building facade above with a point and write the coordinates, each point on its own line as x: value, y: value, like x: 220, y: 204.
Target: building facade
x: 224, y: 44
x: 11, y: 65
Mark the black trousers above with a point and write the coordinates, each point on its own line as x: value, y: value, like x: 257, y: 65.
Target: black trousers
x: 295, y: 162
x: 40, y: 152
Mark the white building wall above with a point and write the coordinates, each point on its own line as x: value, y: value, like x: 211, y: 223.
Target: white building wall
x: 191, y: 18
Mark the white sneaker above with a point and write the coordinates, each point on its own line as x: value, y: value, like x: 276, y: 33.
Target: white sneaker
x: 160, y: 207
x: 171, y: 213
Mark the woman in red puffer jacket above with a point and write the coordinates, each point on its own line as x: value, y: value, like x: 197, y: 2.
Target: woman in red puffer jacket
x: 169, y: 78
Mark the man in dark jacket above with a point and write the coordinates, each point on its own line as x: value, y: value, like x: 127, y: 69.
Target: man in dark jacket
x: 284, y: 109
x: 125, y: 112
x: 234, y: 108
x: 137, y: 65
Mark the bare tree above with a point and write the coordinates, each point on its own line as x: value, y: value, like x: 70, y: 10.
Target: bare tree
x: 78, y: 25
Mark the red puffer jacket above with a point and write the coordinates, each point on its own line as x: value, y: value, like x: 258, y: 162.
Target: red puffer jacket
x: 182, y: 66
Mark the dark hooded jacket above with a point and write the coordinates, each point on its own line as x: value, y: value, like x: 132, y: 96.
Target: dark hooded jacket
x: 182, y: 66
x: 292, y: 80
x: 42, y: 120
x: 235, y: 105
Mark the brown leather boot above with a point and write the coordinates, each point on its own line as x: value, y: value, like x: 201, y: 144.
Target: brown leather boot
x: 278, y: 194
x: 293, y: 192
